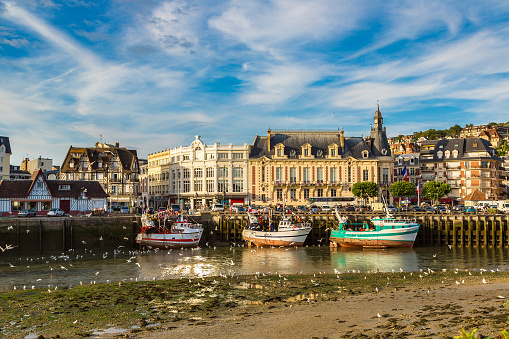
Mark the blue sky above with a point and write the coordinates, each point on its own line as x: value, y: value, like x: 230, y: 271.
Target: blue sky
x: 152, y: 74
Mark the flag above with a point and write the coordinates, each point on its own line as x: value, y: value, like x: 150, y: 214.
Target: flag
x: 418, y: 187
x: 405, y: 173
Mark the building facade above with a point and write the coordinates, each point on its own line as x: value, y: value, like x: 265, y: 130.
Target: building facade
x: 5, y: 158
x: 466, y: 164
x: 41, y: 195
x: 198, y: 175
x: 115, y: 168
x: 293, y: 167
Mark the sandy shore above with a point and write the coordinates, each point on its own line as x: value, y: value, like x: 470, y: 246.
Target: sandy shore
x: 437, y: 312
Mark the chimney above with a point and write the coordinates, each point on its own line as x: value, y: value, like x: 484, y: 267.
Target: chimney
x: 117, y: 144
x: 268, y: 140
x: 342, y: 140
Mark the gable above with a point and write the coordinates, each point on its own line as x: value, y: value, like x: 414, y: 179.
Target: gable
x: 39, y: 189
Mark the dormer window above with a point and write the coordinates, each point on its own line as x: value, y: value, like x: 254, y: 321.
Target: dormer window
x: 306, y: 151
x: 440, y: 154
x: 64, y: 187
x: 455, y: 154
x: 447, y: 154
x: 411, y: 161
x: 333, y: 151
x: 400, y: 161
x: 365, y: 154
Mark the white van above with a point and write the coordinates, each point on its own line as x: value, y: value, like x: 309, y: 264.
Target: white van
x: 217, y: 207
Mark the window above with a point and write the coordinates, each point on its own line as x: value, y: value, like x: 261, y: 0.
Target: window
x: 306, y: 193
x: 198, y: 185
x: 113, y: 189
x: 306, y: 152
x: 99, y: 164
x: 411, y: 161
x: 411, y: 171
x: 99, y: 175
x: 440, y: 154
x: 333, y: 152
x: 71, y: 164
x: 185, y: 157
x: 45, y: 205
x: 17, y: 205
x: 186, y: 173
x: 365, y: 175
x: 263, y: 174
x: 238, y: 185
x: 305, y: 175
x: 237, y: 156
x: 222, y: 155
x: 319, y: 192
x: 64, y: 187
x: 186, y: 186
x: 210, y: 172
x: 349, y: 174
x: 333, y: 174
x: 198, y: 172
x: 222, y: 172
x: 333, y: 192
x: 319, y: 174
x: 279, y: 193
x: 222, y: 185
x: 385, y: 175
x: 39, y: 185
x: 238, y: 172
x: 279, y: 171
x: 279, y: 152
x: 293, y: 175
x: 292, y: 193
x: 210, y: 186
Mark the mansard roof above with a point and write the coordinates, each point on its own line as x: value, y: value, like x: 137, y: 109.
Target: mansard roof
x: 319, y: 141
x: 464, y: 147
x: 5, y: 141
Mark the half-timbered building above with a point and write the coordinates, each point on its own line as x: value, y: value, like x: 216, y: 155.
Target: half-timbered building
x: 41, y: 195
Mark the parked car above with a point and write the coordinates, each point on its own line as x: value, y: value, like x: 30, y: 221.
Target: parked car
x: 458, y: 208
x: 175, y: 208
x: 314, y: 209
x: 416, y: 208
x: 300, y: 208
x: 469, y: 209
x: 56, y: 212
x: 124, y: 209
x: 218, y: 207
x: 26, y: 214
x: 362, y: 208
x: 441, y: 209
x: 326, y: 208
x: 392, y: 208
x: 428, y: 209
x: 162, y: 209
x: 349, y: 208
x: 339, y: 208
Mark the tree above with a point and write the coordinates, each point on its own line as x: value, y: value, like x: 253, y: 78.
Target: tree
x: 402, y: 189
x: 434, y: 190
x: 365, y: 189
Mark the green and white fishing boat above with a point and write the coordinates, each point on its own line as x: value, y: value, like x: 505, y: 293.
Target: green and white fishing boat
x: 382, y: 232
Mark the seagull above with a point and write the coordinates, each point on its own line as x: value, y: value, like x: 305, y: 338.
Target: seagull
x: 11, y: 265
x: 9, y: 228
x: 450, y: 246
x: 96, y: 273
x: 378, y: 315
x: 28, y: 231
x: 101, y: 238
x: 484, y: 281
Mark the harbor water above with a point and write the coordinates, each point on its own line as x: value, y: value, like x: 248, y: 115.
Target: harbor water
x: 72, y: 268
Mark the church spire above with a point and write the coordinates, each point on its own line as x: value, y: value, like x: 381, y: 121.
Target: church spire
x: 378, y: 120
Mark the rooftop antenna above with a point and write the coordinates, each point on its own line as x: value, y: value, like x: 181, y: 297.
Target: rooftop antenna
x: 101, y: 138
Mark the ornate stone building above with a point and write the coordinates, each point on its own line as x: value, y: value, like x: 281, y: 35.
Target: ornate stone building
x: 198, y: 175
x: 294, y: 166
x: 115, y: 168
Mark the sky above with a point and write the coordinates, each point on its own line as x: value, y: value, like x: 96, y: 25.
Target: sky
x: 152, y: 74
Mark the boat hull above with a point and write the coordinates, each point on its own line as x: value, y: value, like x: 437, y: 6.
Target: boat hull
x: 284, y: 238
x: 164, y: 241
x: 388, y: 238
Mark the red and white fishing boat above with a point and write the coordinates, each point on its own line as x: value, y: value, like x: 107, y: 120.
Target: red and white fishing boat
x: 176, y: 234
x: 288, y: 233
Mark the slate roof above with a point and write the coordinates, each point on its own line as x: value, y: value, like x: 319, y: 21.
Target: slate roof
x: 319, y: 141
x: 105, y: 154
x: 21, y: 188
x: 464, y: 146
x: 5, y: 141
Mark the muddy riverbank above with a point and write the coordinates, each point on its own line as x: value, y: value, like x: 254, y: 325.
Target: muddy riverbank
x: 390, y: 305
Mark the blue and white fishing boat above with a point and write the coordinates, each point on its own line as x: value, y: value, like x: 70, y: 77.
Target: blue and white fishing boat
x: 384, y: 232
x: 288, y: 233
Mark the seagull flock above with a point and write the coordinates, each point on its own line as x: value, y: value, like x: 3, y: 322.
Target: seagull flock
x: 70, y: 258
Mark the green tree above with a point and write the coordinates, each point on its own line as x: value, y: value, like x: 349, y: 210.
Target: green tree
x: 402, y: 189
x: 365, y: 189
x: 434, y: 190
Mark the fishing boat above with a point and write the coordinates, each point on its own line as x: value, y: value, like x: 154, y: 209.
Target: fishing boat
x: 288, y: 233
x: 382, y: 232
x: 177, y: 234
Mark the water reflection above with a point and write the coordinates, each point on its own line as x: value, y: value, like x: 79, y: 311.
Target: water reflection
x: 72, y: 269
